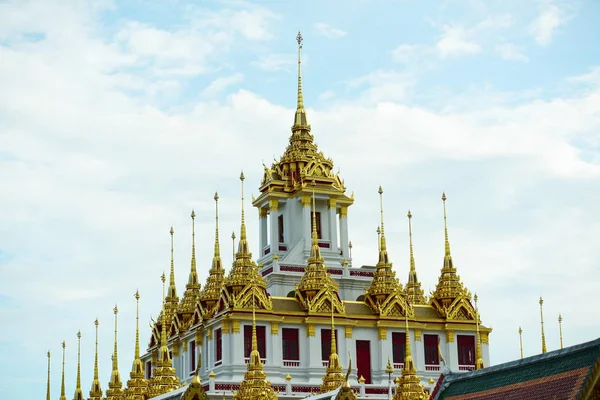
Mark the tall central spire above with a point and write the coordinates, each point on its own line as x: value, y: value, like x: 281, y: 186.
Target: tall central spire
x: 414, y: 293
x: 96, y: 390
x: 192, y: 288
x: 78, y: 392
x: 300, y: 121
x: 62, y: 384
x: 137, y: 386
x: 115, y: 391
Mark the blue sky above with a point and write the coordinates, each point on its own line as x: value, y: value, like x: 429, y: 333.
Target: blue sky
x: 118, y: 118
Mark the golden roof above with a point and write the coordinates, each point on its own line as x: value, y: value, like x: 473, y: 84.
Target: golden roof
x: 245, y: 286
x: 137, y: 385
x: 317, y: 291
x: 414, y: 293
x: 385, y: 295
x: 96, y: 390
x: 192, y: 289
x: 301, y: 161
x: 115, y: 386
x: 255, y: 384
x: 164, y: 378
x: 450, y: 299
x: 333, y: 378
x: 209, y: 297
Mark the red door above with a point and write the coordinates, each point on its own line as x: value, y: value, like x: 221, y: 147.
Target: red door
x: 363, y: 359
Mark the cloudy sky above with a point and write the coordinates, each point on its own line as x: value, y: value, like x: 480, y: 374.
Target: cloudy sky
x: 118, y: 118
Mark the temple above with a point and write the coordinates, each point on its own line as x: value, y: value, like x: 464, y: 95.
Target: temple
x: 297, y: 318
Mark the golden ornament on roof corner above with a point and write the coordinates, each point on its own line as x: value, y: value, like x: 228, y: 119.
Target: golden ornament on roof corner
x: 209, y: 297
x: 409, y: 383
x: 245, y: 286
x: 385, y: 295
x: 317, y: 291
x: 137, y: 385
x: 450, y: 299
x: 333, y: 378
x: 190, y: 297
x: 255, y: 385
x: 115, y: 386
x: 414, y: 293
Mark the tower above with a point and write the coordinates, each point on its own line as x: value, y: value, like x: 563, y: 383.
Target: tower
x: 285, y: 200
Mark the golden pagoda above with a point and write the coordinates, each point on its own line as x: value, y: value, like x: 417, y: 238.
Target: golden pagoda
x: 96, y: 390
x: 192, y: 288
x: 450, y: 299
x: 385, y: 295
x: 245, y: 287
x: 115, y: 386
x: 78, y: 395
x: 137, y: 385
x: 255, y: 385
x: 317, y: 290
x: 414, y: 293
x: 409, y: 384
x: 209, y: 297
x: 333, y: 378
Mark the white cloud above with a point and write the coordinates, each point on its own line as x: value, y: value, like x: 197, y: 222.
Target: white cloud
x: 328, y: 31
x: 278, y: 62
x: 327, y: 95
x: 544, y: 27
x: 220, y: 84
x: 455, y: 42
x: 511, y: 52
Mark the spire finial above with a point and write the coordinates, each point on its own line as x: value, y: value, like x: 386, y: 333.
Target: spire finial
x: 96, y: 390
x: 413, y: 286
x: 447, y: 242
x: 413, y: 271
x: 115, y: 385
x: 62, y: 385
x: 315, y: 253
x: 193, y: 279
x: 299, y: 39
x: 378, y: 237
x: 243, y: 250
x: 521, y: 341
x: 217, y: 250
x: 560, y: 329
x: 172, y: 293
x: 137, y: 324
x: 163, y: 279
x: 479, y: 361
x: 48, y: 385
x: 542, y: 321
x: 78, y: 393
x: 233, y: 245
x: 383, y: 256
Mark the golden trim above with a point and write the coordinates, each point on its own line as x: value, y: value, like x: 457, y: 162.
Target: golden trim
x: 382, y: 333
x: 274, y: 204
x: 175, y: 348
x: 263, y: 212
x: 305, y: 200
x: 210, y: 333
x: 484, y: 336
x: 417, y: 335
x: 225, y: 327
x: 348, y: 331
x: 235, y: 326
x: 343, y: 210
x: 198, y: 338
x: 310, y: 330
x: 449, y: 337
x: 184, y: 346
x: 332, y: 203
x: 274, y: 328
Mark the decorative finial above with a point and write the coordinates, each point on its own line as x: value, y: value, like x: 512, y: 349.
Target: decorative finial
x: 163, y: 279
x: 78, y: 393
x: 378, y: 238
x: 542, y: 321
x: 193, y: 278
x: 383, y: 256
x: 48, y: 384
x: 137, y: 324
x: 96, y: 390
x: 447, y: 241
x: 233, y: 242
x: 172, y: 292
x: 521, y: 341
x: 479, y: 361
x: 62, y: 385
x: 389, y: 369
x: 115, y: 385
x: 217, y: 249
x: 560, y: 329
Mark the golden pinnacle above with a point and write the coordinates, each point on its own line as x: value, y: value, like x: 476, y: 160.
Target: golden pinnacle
x: 443, y: 196
x: 242, y: 177
x: 409, y: 215
x: 137, y: 295
x: 233, y: 235
x: 216, y: 196
x: 193, y: 214
x: 172, y: 231
x: 78, y: 337
x: 380, y: 191
x: 96, y: 322
x: 115, y: 310
x: 163, y: 277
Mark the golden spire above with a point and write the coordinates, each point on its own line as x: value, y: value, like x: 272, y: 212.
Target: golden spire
x: 378, y: 237
x: 409, y: 383
x: 233, y: 247
x: 137, y: 386
x: 164, y: 379
x: 542, y: 320
x: 385, y: 285
x: 62, y: 385
x: 96, y: 390
x: 216, y: 276
x: 333, y: 377
x: 317, y: 283
x: 521, y: 341
x: 115, y: 391
x: 414, y: 293
x: 255, y: 384
x: 449, y: 286
x: 560, y: 329
x: 78, y: 393
x: 48, y: 385
x: 192, y: 289
x: 478, y: 355
x: 244, y: 275
x: 300, y: 121
x: 172, y: 301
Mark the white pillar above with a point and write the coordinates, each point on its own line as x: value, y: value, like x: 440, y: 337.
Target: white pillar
x: 344, y: 232
x: 263, y: 230
x: 333, y: 226
x: 306, y: 221
x: 274, y: 205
